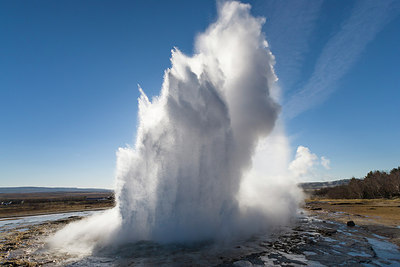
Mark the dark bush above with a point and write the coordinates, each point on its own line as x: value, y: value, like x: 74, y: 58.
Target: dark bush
x: 376, y: 184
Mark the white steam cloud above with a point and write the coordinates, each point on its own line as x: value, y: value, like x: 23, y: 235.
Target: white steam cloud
x: 303, y: 162
x: 326, y: 163
x: 205, y: 164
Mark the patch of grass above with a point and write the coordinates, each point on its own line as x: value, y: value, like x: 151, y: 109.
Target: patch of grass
x: 383, y: 211
x: 46, y: 203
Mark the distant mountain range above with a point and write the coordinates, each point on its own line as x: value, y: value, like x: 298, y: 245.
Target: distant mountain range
x: 33, y: 189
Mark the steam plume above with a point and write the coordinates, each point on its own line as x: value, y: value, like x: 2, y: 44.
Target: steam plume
x: 198, y: 167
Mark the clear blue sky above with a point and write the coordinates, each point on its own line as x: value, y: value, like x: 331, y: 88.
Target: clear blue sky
x: 69, y: 72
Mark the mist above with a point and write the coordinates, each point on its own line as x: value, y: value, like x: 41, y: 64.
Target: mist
x: 211, y: 159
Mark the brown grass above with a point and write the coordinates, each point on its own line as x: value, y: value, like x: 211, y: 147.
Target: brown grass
x: 46, y: 203
x: 381, y: 211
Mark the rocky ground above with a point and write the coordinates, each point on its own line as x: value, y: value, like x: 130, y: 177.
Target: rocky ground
x: 21, y: 245
x: 317, y: 238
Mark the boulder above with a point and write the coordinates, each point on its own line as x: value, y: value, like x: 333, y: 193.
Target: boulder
x: 351, y: 223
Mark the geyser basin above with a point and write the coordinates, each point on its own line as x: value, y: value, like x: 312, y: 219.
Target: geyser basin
x: 207, y: 162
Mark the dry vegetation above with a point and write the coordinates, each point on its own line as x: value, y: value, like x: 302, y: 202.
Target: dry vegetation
x: 379, y: 216
x: 382, y: 211
x: 44, y: 203
x: 376, y: 184
x: 372, y: 202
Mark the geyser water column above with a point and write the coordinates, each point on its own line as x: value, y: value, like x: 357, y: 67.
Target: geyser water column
x: 190, y: 175
x: 195, y: 140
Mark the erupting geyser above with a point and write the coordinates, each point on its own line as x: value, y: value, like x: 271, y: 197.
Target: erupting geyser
x: 205, y: 164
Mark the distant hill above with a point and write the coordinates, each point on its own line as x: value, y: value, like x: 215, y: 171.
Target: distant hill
x: 32, y: 189
x: 319, y: 185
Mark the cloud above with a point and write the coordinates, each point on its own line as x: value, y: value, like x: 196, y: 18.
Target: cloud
x: 303, y: 162
x: 325, y: 162
x: 306, y: 165
x: 341, y: 52
x: 289, y: 27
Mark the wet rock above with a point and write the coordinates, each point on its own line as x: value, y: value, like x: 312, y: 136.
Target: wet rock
x: 327, y: 232
x: 351, y: 223
x: 242, y: 263
x: 309, y: 241
x: 316, y: 208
